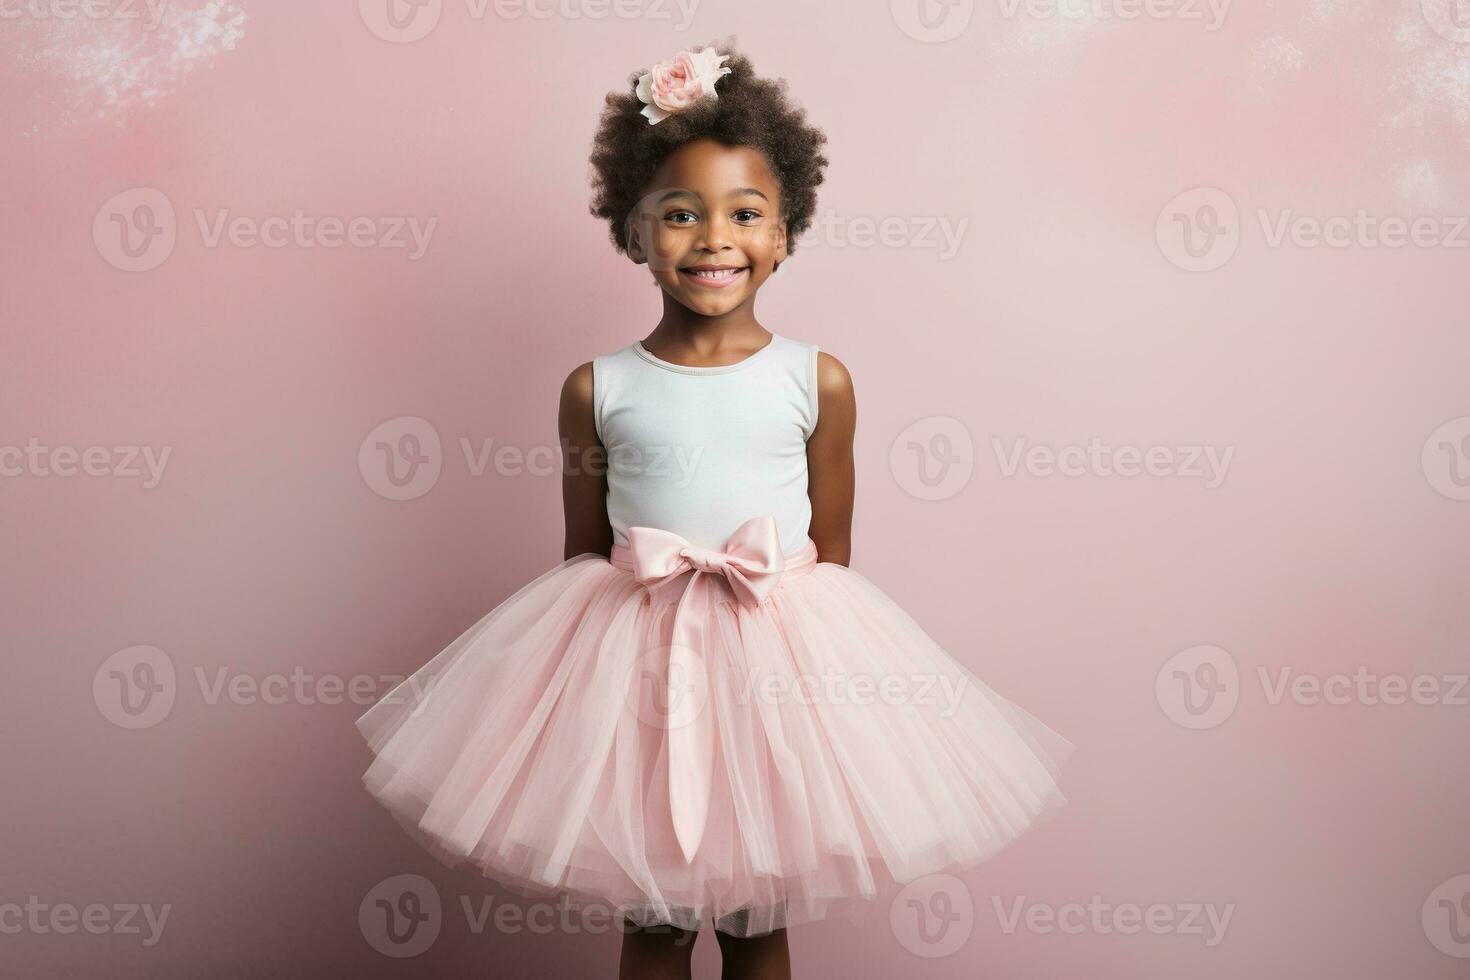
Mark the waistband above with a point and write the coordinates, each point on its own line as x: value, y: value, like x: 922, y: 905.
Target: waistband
x: 797, y: 562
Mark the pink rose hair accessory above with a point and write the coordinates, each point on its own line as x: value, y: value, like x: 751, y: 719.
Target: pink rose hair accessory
x: 679, y: 82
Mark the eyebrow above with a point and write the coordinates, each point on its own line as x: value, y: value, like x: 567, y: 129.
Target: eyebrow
x: 737, y: 192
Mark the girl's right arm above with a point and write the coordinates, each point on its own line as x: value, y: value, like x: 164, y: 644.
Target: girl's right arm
x: 584, y: 470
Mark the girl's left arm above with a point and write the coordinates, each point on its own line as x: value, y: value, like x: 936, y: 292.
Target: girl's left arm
x: 829, y: 461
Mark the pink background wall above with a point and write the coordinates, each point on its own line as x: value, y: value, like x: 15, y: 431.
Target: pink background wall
x: 1330, y: 381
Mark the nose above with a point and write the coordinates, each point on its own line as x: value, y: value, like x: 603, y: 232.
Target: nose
x: 716, y: 233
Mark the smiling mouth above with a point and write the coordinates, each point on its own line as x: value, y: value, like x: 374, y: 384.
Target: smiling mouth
x: 714, y: 275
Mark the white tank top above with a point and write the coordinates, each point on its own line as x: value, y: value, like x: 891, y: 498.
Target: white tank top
x: 700, y: 450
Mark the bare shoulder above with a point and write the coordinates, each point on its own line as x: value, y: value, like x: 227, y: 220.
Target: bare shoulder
x: 834, y: 382
x: 576, y: 412
x: 576, y: 390
x: 836, y: 404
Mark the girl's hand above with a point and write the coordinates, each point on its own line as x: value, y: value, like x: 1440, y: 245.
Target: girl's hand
x: 829, y: 461
x: 584, y: 470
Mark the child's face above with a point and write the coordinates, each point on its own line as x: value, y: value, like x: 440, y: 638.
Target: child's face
x: 710, y: 209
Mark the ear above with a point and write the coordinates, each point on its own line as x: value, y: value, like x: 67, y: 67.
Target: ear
x: 637, y: 248
x: 780, y: 251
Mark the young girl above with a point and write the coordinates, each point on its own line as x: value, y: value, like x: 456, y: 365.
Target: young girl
x: 703, y: 714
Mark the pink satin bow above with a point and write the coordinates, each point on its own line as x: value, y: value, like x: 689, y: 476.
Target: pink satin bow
x: 752, y: 563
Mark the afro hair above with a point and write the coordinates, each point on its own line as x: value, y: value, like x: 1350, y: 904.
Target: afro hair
x: 748, y: 111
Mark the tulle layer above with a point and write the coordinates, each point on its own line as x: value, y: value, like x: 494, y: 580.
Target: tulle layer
x: 852, y: 754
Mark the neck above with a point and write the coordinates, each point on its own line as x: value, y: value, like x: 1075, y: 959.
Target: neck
x: 682, y: 327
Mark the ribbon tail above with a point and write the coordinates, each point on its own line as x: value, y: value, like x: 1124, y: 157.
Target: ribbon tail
x: 691, y: 730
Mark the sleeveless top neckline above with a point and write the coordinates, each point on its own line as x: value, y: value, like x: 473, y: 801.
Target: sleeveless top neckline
x: 651, y: 358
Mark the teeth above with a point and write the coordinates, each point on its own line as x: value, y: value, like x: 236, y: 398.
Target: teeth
x: 720, y: 274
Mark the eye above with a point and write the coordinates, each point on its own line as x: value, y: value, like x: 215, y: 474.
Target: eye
x: 677, y: 216
x: 746, y: 214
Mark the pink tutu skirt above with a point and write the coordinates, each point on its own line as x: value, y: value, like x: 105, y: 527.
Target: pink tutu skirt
x: 843, y: 752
